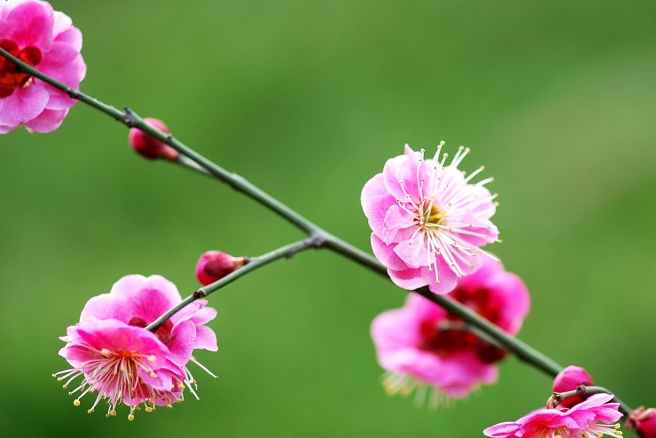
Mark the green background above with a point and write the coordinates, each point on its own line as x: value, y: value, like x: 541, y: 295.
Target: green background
x: 308, y: 100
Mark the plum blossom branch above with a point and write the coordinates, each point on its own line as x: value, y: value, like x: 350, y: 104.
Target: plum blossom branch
x: 319, y: 237
x: 254, y: 263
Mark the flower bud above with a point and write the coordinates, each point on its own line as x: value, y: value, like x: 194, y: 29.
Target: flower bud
x: 568, y: 380
x: 214, y: 265
x: 644, y: 421
x: 149, y: 147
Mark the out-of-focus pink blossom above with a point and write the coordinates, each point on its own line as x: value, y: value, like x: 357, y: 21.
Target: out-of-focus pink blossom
x: 134, y: 302
x: 644, y: 422
x: 214, y: 265
x: 569, y: 379
x: 421, y: 345
x: 428, y: 220
x: 45, y: 39
x: 150, y: 147
x: 591, y: 418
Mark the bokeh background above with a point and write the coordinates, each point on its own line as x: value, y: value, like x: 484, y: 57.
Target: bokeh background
x: 308, y: 99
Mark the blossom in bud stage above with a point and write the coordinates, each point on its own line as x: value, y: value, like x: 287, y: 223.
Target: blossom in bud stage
x: 150, y: 147
x: 214, y: 265
x: 123, y: 362
x: 591, y: 418
x: 644, y: 422
x: 423, y: 347
x: 569, y: 379
x: 428, y: 220
x: 45, y: 39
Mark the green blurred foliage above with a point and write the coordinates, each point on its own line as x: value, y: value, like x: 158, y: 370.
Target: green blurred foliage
x: 308, y: 99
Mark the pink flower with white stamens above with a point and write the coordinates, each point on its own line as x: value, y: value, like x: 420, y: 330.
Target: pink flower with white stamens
x: 135, y: 302
x: 45, y: 39
x: 422, y: 347
x: 428, y: 220
x: 591, y: 418
x: 122, y: 364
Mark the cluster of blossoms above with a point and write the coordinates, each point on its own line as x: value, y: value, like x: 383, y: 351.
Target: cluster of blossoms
x: 42, y: 38
x: 114, y: 354
x: 583, y: 415
x: 429, y: 222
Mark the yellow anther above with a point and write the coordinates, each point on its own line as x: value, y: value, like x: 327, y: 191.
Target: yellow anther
x: 76, y: 402
x: 130, y: 417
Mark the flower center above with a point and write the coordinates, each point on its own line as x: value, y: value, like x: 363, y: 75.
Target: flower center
x: 452, y: 335
x: 432, y: 215
x: 11, y: 77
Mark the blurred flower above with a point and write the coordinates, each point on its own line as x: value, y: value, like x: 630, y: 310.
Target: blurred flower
x: 644, y: 422
x: 569, y: 379
x: 149, y: 147
x: 47, y: 40
x: 118, y: 320
x: 214, y: 265
x: 422, y: 346
x: 428, y: 221
x: 591, y: 418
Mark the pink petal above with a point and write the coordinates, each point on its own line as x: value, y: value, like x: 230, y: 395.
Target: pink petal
x: 182, y: 342
x: 375, y: 202
x: 106, y: 306
x: 408, y: 279
x: 507, y: 429
x: 23, y: 105
x: 205, y: 339
x: 47, y: 121
x: 29, y: 24
x: 386, y: 255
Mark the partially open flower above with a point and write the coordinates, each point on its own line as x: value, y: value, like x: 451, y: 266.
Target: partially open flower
x: 423, y: 347
x: 428, y: 219
x: 45, y: 39
x: 644, y: 421
x: 569, y: 379
x: 214, y: 265
x: 152, y: 366
x: 149, y: 147
x: 591, y: 418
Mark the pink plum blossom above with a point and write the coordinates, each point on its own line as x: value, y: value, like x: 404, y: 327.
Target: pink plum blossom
x: 117, y: 321
x: 45, y: 39
x: 122, y: 363
x: 591, y: 418
x: 428, y: 220
x: 150, y: 147
x: 569, y: 379
x: 214, y: 265
x: 422, y: 346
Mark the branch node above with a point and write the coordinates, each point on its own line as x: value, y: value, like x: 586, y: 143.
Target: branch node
x: 129, y: 117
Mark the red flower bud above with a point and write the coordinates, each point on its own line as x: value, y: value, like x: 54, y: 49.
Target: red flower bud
x: 644, y: 421
x: 149, y: 147
x: 568, y: 380
x: 214, y: 265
